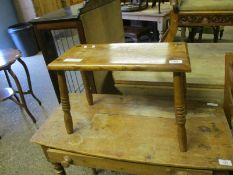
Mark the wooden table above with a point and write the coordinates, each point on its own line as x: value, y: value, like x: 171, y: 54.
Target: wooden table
x: 151, y: 14
x: 129, y: 133
x: 135, y: 134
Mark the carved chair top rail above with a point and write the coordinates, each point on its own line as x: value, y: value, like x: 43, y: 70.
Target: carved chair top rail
x: 164, y: 57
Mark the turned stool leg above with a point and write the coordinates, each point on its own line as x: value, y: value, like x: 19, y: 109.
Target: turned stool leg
x: 180, y: 110
x: 29, y: 80
x: 24, y: 104
x: 87, y: 87
x: 59, y: 169
x: 65, y: 102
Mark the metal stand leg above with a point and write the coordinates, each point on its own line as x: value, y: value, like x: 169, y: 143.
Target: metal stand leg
x: 29, y: 80
x: 10, y: 85
x: 21, y: 94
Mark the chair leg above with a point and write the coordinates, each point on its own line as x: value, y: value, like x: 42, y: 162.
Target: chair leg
x: 10, y: 85
x: 24, y: 104
x: 29, y: 80
x: 173, y: 28
x: 216, y: 33
x: 221, y: 34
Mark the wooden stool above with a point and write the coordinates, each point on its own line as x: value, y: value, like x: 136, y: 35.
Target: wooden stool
x: 7, y: 58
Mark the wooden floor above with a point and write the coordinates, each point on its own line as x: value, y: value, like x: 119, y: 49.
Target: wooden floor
x: 141, y: 129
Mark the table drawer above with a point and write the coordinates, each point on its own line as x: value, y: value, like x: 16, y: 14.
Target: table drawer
x: 57, y: 156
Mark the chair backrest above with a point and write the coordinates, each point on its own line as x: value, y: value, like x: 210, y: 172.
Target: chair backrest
x: 228, y: 89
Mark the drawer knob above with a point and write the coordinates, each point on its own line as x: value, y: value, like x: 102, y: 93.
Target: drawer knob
x: 66, y: 162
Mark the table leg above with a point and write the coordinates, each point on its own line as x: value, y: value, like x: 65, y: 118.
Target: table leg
x: 49, y: 51
x: 24, y: 104
x: 87, y: 87
x: 179, y: 99
x: 64, y: 96
x: 59, y: 169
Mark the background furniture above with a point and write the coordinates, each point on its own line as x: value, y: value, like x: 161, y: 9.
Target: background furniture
x: 134, y: 5
x: 154, y: 2
x: 216, y: 31
x: 151, y: 14
x: 86, y: 22
x: 189, y: 13
x: 7, y: 58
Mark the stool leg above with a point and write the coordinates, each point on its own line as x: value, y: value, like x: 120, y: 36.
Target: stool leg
x: 29, y: 80
x: 180, y: 109
x: 21, y: 94
x: 10, y: 85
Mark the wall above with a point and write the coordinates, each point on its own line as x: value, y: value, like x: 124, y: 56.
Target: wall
x: 25, y: 10
x: 45, y: 6
x: 7, y: 17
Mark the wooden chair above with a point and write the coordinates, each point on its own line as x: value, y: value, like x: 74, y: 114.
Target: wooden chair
x: 228, y: 89
x: 190, y: 13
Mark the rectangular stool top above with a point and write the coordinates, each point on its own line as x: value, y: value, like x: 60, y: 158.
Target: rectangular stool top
x: 158, y: 57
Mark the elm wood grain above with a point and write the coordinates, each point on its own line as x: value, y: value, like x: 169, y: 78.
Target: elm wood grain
x: 124, y: 57
x: 138, y: 130
x: 228, y: 98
